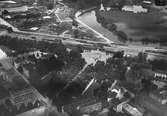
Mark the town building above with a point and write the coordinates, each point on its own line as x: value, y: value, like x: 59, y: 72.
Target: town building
x: 160, y: 77
x: 131, y: 110
x: 84, y: 106
x: 116, y: 104
x: 16, y: 94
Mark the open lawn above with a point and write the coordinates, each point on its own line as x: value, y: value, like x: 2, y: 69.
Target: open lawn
x: 137, y: 26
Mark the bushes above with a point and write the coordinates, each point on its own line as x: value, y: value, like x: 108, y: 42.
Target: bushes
x: 87, y: 3
x: 111, y: 27
x: 122, y: 36
x: 21, y: 45
x: 9, y: 29
x: 31, y: 23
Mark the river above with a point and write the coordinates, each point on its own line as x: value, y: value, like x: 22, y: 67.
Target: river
x: 90, y: 19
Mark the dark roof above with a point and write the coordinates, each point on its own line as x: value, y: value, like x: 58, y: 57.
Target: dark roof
x: 114, y: 102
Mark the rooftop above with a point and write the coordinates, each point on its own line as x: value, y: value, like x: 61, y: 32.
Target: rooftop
x: 2, y: 54
x: 132, y: 110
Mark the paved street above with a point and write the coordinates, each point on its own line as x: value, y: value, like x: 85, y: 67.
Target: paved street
x: 129, y: 49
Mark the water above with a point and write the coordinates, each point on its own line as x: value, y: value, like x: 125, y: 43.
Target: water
x: 90, y: 19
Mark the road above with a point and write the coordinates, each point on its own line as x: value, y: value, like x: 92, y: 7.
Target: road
x: 74, y: 79
x: 61, y: 37
x: 3, y: 22
x: 108, y: 45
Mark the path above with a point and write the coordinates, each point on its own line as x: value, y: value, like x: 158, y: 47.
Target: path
x: 75, y: 78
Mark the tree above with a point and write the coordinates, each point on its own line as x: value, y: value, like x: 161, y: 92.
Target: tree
x: 117, y: 3
x: 122, y: 36
x: 30, y: 105
x: 50, y: 6
x: 75, y: 23
x: 76, y: 33
x: 160, y: 2
x: 87, y: 3
x: 118, y: 54
x: 148, y: 85
x: 22, y: 108
x: 10, y: 30
x: 142, y: 57
x: 5, y: 12
x: 111, y: 27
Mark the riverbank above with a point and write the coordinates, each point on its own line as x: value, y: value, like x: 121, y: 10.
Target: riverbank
x: 90, y: 19
x: 77, y: 18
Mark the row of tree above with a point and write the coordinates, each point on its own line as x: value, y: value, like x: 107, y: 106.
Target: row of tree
x: 163, y: 42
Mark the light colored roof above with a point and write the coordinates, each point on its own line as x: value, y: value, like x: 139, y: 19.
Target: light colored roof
x: 9, y: 2
x: 132, y: 110
x: 134, y: 9
x: 46, y: 17
x: 2, y: 54
x: 34, y: 28
x: 35, y: 112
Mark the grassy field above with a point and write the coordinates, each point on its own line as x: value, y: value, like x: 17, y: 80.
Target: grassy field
x: 137, y: 26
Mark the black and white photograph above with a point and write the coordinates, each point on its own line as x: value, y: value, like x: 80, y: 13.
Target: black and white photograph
x: 83, y: 57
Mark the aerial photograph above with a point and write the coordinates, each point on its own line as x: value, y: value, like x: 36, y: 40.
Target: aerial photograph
x: 83, y: 57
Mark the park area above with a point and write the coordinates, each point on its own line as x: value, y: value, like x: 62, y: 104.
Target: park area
x: 137, y: 26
